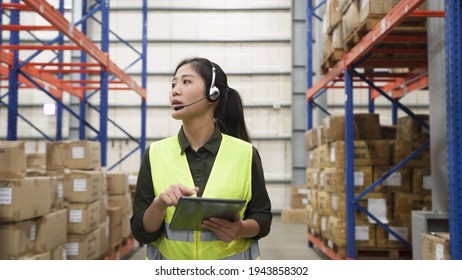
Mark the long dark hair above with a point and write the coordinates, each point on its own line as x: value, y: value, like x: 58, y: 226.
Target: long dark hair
x: 229, y: 113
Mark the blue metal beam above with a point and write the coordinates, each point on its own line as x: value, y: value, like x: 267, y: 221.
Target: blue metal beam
x: 309, y: 57
x: 454, y: 117
x: 371, y: 102
x: 104, y: 82
x: 321, y: 108
x: 83, y: 75
x: 349, y: 166
x: 13, y: 84
x: 394, y: 113
x: 59, y: 108
x: 144, y: 74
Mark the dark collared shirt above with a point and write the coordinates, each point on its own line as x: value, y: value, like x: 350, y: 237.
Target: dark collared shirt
x: 200, y: 165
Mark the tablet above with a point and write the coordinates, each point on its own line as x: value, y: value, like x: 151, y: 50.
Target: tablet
x: 191, y: 211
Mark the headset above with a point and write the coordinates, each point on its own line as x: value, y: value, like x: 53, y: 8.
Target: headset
x: 214, y: 92
x: 211, y: 95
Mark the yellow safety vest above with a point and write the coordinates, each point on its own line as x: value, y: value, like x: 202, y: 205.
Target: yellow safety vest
x: 230, y: 178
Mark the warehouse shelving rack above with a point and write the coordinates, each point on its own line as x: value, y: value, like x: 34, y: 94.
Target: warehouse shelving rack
x: 49, y: 77
x: 362, y: 55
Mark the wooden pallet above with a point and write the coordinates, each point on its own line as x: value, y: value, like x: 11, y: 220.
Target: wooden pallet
x: 331, y: 60
x: 360, y: 31
x: 383, y: 254
x: 408, y: 27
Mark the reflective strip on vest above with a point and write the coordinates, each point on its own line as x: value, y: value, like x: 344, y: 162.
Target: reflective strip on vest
x: 187, y: 235
x: 252, y: 253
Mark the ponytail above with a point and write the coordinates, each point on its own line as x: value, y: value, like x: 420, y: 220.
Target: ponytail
x: 229, y: 115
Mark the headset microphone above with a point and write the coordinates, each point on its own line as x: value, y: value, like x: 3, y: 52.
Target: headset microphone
x: 177, y: 108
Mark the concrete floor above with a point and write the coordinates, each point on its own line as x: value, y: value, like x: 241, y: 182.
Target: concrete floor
x: 285, y: 242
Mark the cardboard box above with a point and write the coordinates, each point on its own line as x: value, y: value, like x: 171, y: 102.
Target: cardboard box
x: 337, y: 37
x: 51, y: 231
x: 316, y: 224
x: 83, y: 247
x: 313, y: 158
x: 55, y: 155
x: 12, y: 159
x: 36, y: 161
x: 399, y: 181
x: 310, y: 209
x: 123, y: 201
x: 366, y: 153
x: 57, y: 192
x: 402, y: 149
x: 117, y: 183
x: 379, y: 204
x: 388, y: 131
x: 36, y: 257
x: 115, y: 225
x: 84, y: 155
x: 321, y: 134
x: 17, y: 239
x: 387, y: 240
x: 421, y: 181
x: 365, y: 233
x: 350, y: 19
x: 83, y: 186
x: 83, y: 218
x: 126, y: 229
x: 299, y: 197
x: 103, y: 203
x: 13, y: 194
x: 368, y: 126
x: 103, y: 235
x: 345, y: 4
x: 313, y: 197
x: 404, y: 203
x: 327, y: 47
x: 411, y: 130
x: 294, y: 216
x: 436, y: 246
x: 335, y: 178
x: 324, y: 156
x: 324, y: 206
x: 59, y: 253
x: 312, y: 178
x: 335, y: 128
x: 376, y: 8
x: 311, y: 139
x: 332, y: 16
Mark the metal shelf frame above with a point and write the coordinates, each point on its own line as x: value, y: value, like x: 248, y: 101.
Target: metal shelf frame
x: 397, y: 85
x: 49, y: 77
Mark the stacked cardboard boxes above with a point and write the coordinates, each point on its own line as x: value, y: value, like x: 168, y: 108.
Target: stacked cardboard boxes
x: 84, y: 194
x: 297, y: 213
x: 33, y: 222
x: 391, y: 201
x: 119, y: 207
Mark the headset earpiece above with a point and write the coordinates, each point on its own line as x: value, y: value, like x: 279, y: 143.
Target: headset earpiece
x: 214, y: 92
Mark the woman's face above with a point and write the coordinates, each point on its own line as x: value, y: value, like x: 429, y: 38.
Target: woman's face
x: 187, y: 87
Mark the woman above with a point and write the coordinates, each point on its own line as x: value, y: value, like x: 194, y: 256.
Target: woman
x: 210, y: 157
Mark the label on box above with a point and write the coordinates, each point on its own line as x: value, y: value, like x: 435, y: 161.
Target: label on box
x: 324, y: 223
x: 321, y: 179
x: 394, y: 180
x: 334, y: 202
x: 332, y: 153
x: 315, y: 219
x: 311, y: 155
x: 72, y: 249
x: 6, y: 196
x: 78, y: 152
x: 427, y: 182
x: 60, y: 190
x: 302, y: 190
x: 64, y: 255
x: 75, y: 216
x: 33, y: 232
x: 309, y: 195
x: 327, y: 122
x: 439, y: 252
x: 362, y: 233
x: 401, y: 231
x: 330, y: 244
x: 315, y: 178
x: 378, y: 208
x: 80, y: 185
x: 305, y: 201
x: 359, y: 179
x: 132, y: 179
